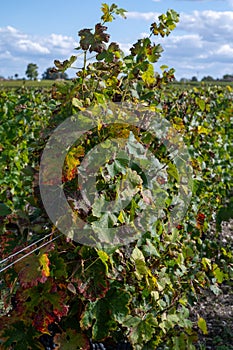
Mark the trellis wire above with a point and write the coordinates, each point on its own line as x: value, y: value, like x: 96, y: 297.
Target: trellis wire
x: 25, y: 248
x: 22, y: 257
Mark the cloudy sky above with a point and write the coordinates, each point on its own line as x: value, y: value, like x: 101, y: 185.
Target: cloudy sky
x: 41, y: 31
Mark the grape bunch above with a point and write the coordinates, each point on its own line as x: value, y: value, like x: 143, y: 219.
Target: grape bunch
x: 120, y: 346
x: 47, y: 341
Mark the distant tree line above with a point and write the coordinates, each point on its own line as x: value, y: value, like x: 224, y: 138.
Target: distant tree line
x: 226, y: 78
x: 32, y: 74
x: 51, y: 74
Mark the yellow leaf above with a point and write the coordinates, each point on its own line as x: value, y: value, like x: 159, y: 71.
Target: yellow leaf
x: 206, y: 263
x: 121, y: 217
x: 44, y: 263
x: 78, y: 104
x: 202, y: 130
x: 149, y: 76
x: 104, y: 258
x: 155, y: 295
x: 202, y: 325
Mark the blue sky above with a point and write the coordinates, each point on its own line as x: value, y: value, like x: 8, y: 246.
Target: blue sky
x: 41, y: 31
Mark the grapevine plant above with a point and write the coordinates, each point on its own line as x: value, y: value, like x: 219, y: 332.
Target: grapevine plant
x: 141, y: 292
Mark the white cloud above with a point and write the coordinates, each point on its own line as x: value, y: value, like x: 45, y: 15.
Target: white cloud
x: 125, y: 48
x: 18, y: 49
x: 212, y: 25
x: 60, y: 43
x: 202, y: 43
x: 225, y: 50
x: 30, y: 46
x: 146, y: 16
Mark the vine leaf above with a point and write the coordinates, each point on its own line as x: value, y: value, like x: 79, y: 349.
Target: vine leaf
x: 141, y: 330
x: 44, y: 264
x: 93, y: 283
x: 72, y: 340
x: 149, y: 75
x: 108, y: 12
x: 167, y: 22
x: 202, y: 325
x: 86, y: 38
x: 100, y: 37
x: 32, y: 270
x: 19, y: 336
x: 94, y: 42
x: 72, y: 162
x: 219, y: 274
x: 138, y: 259
x: 4, y: 210
x: 104, y: 258
x: 63, y: 66
x: 103, y: 314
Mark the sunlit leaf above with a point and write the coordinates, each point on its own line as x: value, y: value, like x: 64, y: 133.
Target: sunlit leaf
x: 202, y: 325
x: 149, y: 76
x: 44, y: 263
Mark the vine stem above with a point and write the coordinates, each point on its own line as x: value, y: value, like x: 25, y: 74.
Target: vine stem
x: 84, y: 71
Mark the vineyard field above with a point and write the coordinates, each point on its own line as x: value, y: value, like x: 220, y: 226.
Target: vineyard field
x: 114, y: 188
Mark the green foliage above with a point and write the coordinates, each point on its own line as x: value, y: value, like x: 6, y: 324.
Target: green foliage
x: 52, y: 74
x: 24, y: 113
x: 32, y: 71
x: 167, y: 23
x: 142, y: 290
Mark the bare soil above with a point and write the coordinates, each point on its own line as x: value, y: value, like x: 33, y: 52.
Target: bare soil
x: 217, y: 310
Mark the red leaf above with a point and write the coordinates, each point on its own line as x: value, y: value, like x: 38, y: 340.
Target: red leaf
x: 32, y: 270
x: 93, y: 283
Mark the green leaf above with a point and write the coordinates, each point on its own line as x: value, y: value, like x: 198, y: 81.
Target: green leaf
x: 202, y: 325
x: 19, y: 336
x: 201, y: 103
x: 107, y: 16
x: 218, y: 273
x: 72, y: 340
x: 86, y: 38
x: 57, y: 266
x: 150, y: 249
x: 141, y: 329
x: 100, y: 98
x: 92, y: 283
x: 153, y: 53
x: 172, y: 171
x: 202, y: 130
x: 4, y: 210
x: 103, y: 314
x: 163, y: 67
x: 137, y: 255
x: 109, y: 11
x: 63, y: 66
x: 138, y: 259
